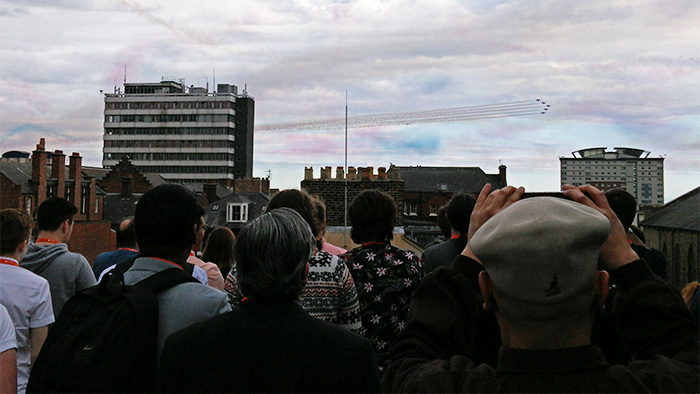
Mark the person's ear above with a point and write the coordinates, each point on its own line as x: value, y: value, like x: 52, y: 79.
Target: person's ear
x: 486, y: 288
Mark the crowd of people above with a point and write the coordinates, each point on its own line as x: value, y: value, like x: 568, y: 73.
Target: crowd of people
x: 539, y: 294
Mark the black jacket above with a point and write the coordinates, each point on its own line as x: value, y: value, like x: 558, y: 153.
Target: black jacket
x: 433, y: 352
x: 267, y: 347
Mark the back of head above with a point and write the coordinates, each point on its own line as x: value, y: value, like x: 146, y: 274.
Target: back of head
x: 444, y: 223
x: 300, y: 201
x: 164, y: 220
x: 459, y: 211
x: 54, y: 211
x: 15, y: 227
x: 623, y: 204
x: 320, y: 211
x: 372, y: 215
x: 126, y: 235
x: 542, y: 257
x: 271, y: 255
x: 219, y: 247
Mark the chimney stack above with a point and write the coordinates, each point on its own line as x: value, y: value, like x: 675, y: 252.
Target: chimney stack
x: 210, y: 192
x: 75, y: 172
x: 39, y: 162
x: 381, y: 173
x: 502, y: 173
x: 58, y: 171
x: 308, y: 173
x: 339, y: 173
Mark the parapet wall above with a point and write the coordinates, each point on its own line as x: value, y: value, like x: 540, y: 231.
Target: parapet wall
x: 331, y: 190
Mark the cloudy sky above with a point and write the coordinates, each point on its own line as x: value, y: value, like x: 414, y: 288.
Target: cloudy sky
x: 621, y: 73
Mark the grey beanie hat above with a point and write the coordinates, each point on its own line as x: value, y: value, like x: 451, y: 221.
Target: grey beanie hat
x: 542, y: 250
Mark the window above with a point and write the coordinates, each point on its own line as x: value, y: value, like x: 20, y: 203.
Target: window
x: 97, y: 205
x: 237, y: 212
x: 84, y: 200
x: 412, y: 209
x: 433, y: 209
x: 29, y: 205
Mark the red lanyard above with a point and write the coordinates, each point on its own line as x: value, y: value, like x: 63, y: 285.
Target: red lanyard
x: 129, y: 249
x: 48, y: 240
x: 11, y: 262
x: 455, y: 236
x: 169, y: 262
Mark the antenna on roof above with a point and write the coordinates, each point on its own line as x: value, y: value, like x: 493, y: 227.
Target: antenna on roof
x: 125, y: 76
x: 214, y: 81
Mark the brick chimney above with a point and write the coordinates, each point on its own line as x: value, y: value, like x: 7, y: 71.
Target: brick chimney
x: 75, y: 172
x: 502, y: 173
x: 39, y: 162
x: 352, y: 173
x: 381, y: 173
x: 326, y: 172
x: 308, y: 173
x: 58, y: 171
x: 367, y: 173
x: 127, y: 186
x: 210, y: 192
x: 339, y: 173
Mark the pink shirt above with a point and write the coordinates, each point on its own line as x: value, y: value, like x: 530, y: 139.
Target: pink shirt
x: 332, y: 249
x: 213, y: 273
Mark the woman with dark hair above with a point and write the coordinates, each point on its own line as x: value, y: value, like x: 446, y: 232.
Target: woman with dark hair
x: 385, y: 275
x: 219, y: 249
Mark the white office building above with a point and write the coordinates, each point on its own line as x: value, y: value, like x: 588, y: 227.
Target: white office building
x: 623, y: 168
x: 187, y: 135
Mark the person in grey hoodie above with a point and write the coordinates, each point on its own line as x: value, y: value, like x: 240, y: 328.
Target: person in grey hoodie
x: 48, y: 256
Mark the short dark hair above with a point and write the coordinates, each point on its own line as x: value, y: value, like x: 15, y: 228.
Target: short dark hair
x: 126, y: 236
x: 623, y: 204
x: 15, y: 227
x: 164, y: 219
x: 372, y: 216
x: 443, y: 222
x: 300, y: 201
x: 459, y: 211
x: 271, y: 254
x: 54, y: 211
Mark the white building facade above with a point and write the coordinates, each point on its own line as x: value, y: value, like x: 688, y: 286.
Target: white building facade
x: 185, y: 135
x: 630, y: 169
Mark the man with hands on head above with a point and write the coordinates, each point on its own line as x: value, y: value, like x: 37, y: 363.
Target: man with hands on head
x: 534, y: 264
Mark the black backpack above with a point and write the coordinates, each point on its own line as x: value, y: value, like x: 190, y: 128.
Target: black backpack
x: 104, y: 339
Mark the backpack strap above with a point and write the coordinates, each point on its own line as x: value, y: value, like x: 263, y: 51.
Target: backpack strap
x: 166, y: 279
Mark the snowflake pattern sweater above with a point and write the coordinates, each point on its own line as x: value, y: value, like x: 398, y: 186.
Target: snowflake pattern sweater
x: 386, y: 278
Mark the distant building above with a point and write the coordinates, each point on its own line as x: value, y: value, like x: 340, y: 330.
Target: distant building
x: 238, y: 207
x: 26, y: 182
x: 675, y: 230
x: 426, y: 189
x: 623, y: 168
x: 187, y: 135
x: 331, y: 190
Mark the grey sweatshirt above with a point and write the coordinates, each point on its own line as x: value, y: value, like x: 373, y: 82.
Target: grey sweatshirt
x: 66, y: 272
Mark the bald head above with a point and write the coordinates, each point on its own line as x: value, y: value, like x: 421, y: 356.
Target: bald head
x: 126, y: 236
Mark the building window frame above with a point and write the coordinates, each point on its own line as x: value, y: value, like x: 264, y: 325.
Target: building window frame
x: 236, y: 212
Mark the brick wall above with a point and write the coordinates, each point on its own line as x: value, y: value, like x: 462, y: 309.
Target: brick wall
x: 9, y: 194
x: 332, y: 192
x: 92, y: 238
x: 112, y: 182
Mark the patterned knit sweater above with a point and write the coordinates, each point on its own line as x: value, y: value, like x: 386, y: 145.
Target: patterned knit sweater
x: 330, y: 292
x: 386, y: 278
